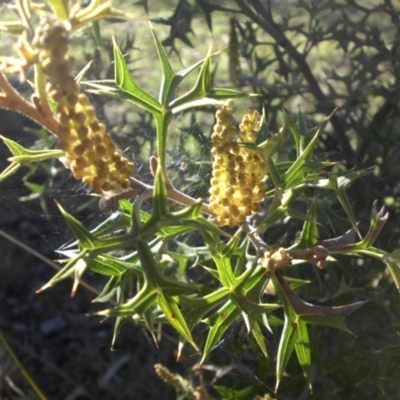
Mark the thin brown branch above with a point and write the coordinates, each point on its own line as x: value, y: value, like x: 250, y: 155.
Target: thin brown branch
x: 138, y: 187
x: 12, y: 100
x: 300, y: 307
x: 263, y: 18
x: 44, y: 259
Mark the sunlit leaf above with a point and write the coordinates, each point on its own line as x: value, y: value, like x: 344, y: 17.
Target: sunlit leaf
x: 86, y: 239
x: 378, y: 221
x: 202, y: 86
x: 294, y: 173
x: 143, y: 300
x: 175, y: 317
x: 167, y: 91
x: 221, y: 93
x: 303, y: 351
x: 345, y: 202
x: 309, y: 233
x: 219, y: 323
x: 125, y: 81
x: 285, y: 349
x: 229, y: 393
x: 109, y: 290
x: 60, y: 7
x: 10, y: 170
x: 258, y: 335
x: 161, y: 206
x: 22, y: 155
x: 67, y: 271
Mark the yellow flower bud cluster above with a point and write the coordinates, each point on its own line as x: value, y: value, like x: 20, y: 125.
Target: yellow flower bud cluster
x: 274, y: 259
x: 89, y: 150
x: 170, y: 378
x: 236, y: 187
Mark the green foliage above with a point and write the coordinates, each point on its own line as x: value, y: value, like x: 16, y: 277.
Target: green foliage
x: 254, y: 273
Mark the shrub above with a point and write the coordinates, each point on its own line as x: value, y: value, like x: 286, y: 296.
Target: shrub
x: 173, y: 260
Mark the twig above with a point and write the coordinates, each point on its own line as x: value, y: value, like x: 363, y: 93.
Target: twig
x: 12, y: 100
x: 44, y: 259
x: 264, y: 19
x: 138, y: 187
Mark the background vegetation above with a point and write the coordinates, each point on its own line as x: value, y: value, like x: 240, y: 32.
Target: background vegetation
x: 315, y: 55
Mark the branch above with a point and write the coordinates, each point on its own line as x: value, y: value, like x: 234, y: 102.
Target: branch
x: 263, y: 18
x: 12, y: 100
x: 110, y: 203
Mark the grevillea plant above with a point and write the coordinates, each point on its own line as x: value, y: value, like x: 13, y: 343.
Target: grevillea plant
x: 251, y: 191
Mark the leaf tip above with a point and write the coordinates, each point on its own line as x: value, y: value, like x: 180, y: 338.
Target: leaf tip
x: 74, y: 287
x: 278, y: 381
x: 43, y: 288
x: 179, y: 352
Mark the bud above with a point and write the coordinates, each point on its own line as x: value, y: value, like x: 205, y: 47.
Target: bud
x: 89, y: 150
x: 236, y: 183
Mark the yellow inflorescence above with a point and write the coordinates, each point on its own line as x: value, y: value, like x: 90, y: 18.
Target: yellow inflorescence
x: 236, y: 187
x: 90, y: 151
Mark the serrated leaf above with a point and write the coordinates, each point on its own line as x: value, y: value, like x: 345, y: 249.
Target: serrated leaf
x: 15, y: 148
x: 228, y: 393
x: 348, y: 238
x: 65, y: 272
x: 109, y: 290
x: 295, y: 132
x: 309, y: 233
x: 11, y: 169
x: 174, y: 316
x: 114, y: 223
x: 344, y: 201
x: 153, y: 275
x: 22, y: 155
x: 124, y: 80
x: 303, y: 351
x: 297, y: 314
x: 36, y: 156
x: 95, y: 11
x: 161, y: 203
x: 294, y: 173
x: 219, y: 322
x: 203, y: 102
x: 86, y: 239
x: 378, y: 221
x: 119, y: 323
x: 333, y: 321
x: 81, y: 266
x: 225, y: 271
x: 112, y: 266
x: 178, y: 77
x: 302, y: 124
x: 15, y: 28
x: 202, y: 86
x: 34, y: 187
x: 222, y: 93
x: 191, y: 217
x: 295, y: 283
x: 267, y: 149
x: 60, y: 8
x: 393, y: 264
x: 166, y: 90
x: 143, y: 300
x: 285, y: 349
x: 195, y: 308
x: 258, y: 336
